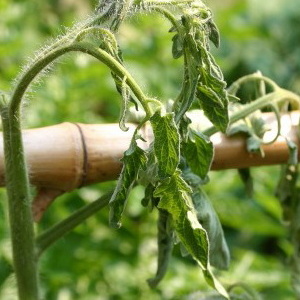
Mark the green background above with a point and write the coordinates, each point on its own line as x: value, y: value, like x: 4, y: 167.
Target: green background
x: 94, y: 261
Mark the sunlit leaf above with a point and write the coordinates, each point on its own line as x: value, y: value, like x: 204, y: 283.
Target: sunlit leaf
x: 215, y: 106
x: 166, y: 143
x: 174, y: 194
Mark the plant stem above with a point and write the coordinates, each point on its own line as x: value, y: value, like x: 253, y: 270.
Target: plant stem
x: 56, y: 232
x: 88, y: 48
x: 21, y: 221
x: 275, y: 97
x: 20, y: 216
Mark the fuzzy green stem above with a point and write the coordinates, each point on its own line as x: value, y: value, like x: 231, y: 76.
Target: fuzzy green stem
x: 88, y: 48
x: 272, y: 98
x: 20, y: 216
x: 21, y: 221
x: 57, y: 231
x: 251, y: 77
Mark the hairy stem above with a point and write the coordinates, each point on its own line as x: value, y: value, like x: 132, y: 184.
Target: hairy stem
x: 20, y: 216
x: 21, y: 221
x: 88, y: 48
x: 279, y: 95
x: 56, y: 232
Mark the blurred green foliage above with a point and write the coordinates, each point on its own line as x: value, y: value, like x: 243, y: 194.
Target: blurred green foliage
x: 94, y: 261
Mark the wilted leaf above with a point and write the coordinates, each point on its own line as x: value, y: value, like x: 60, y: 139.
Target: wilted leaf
x: 198, y: 151
x: 213, y: 33
x: 134, y: 158
x: 125, y: 92
x: 6, y: 270
x: 245, y: 175
x: 165, y: 247
x: 166, y: 143
x: 214, y: 106
x: 219, y: 253
x: 177, y: 47
x: 174, y: 194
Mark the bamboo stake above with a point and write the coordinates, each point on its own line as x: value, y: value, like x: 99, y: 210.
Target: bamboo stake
x: 70, y: 155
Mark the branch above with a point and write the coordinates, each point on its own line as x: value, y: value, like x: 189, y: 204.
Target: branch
x: 49, y: 237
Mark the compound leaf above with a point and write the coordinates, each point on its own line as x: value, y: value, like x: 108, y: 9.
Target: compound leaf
x: 174, y: 194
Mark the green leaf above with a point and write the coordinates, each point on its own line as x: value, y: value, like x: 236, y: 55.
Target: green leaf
x: 219, y: 253
x: 165, y: 247
x: 125, y: 92
x: 198, y: 151
x: 215, y: 106
x: 254, y: 144
x: 245, y: 175
x: 177, y: 46
x: 174, y: 194
x: 286, y: 190
x: 133, y: 160
x: 293, y: 152
x: 213, y: 33
x: 6, y: 270
x: 166, y: 143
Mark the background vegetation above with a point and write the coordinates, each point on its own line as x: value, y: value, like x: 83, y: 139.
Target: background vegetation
x: 96, y: 262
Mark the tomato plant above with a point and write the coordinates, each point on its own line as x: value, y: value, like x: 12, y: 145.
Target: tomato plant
x: 174, y: 168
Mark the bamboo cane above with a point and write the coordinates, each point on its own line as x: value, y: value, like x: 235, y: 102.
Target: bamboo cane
x: 70, y: 155
x: 67, y: 156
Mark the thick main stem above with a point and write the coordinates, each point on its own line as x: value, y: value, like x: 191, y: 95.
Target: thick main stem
x: 21, y: 220
x: 20, y: 216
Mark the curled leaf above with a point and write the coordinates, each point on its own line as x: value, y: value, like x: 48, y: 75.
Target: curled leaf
x: 177, y: 46
x: 125, y: 92
x: 133, y: 160
x: 166, y: 143
x: 219, y: 253
x: 214, y: 105
x: 165, y: 247
x: 174, y: 194
x: 213, y: 33
x: 198, y: 151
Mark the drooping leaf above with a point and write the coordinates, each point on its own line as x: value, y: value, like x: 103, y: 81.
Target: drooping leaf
x: 219, y: 253
x: 6, y: 269
x: 215, y: 106
x: 174, y: 194
x: 177, y: 46
x: 166, y: 143
x: 213, y: 33
x: 254, y: 144
x: 165, y: 247
x: 125, y: 92
x: 245, y: 175
x: 198, y: 151
x: 295, y: 234
x: 134, y: 159
x: 293, y: 152
x: 286, y: 189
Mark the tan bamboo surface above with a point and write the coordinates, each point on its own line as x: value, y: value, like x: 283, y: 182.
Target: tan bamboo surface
x: 70, y: 155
